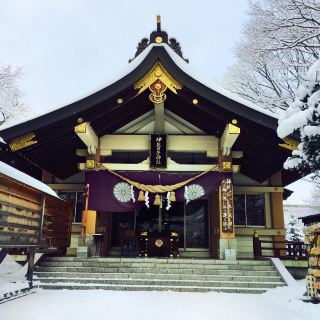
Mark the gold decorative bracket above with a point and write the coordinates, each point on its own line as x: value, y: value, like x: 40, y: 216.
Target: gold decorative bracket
x: 158, y: 79
x: 22, y: 142
x: 289, y: 144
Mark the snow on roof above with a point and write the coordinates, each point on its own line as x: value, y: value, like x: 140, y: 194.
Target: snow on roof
x: 182, y: 64
x: 15, y: 174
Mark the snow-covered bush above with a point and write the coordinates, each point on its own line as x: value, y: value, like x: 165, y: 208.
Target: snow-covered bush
x: 303, y: 117
x: 294, y: 230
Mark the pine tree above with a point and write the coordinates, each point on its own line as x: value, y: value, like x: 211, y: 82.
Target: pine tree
x: 303, y: 116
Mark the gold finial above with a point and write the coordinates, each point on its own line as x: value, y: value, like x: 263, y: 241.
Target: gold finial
x: 158, y: 23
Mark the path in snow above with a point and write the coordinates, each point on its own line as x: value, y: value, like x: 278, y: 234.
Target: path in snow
x: 280, y: 303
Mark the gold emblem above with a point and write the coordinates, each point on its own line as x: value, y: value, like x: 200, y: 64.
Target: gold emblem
x: 158, y: 243
x: 80, y: 128
x: 90, y: 164
x: 22, y: 142
x: 233, y: 129
x: 158, y: 39
x: 226, y: 166
x: 157, y: 80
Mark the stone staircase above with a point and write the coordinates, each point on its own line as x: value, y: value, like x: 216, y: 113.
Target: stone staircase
x: 147, y: 274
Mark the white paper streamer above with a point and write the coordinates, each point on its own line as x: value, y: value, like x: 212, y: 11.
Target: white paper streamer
x: 168, y: 201
x: 132, y: 194
x: 186, y: 196
x: 146, y: 199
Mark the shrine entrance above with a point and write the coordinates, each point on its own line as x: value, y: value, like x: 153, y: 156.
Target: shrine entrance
x: 190, y: 222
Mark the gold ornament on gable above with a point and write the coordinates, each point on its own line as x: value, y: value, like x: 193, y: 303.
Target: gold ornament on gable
x: 22, y: 142
x: 157, y: 80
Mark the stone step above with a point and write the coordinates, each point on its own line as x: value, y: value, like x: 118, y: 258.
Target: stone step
x: 157, y: 282
x: 160, y: 261
x: 149, y: 265
x: 76, y: 286
x: 243, y: 272
x: 159, y: 276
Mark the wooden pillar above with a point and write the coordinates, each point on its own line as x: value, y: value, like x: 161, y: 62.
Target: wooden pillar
x: 277, y: 211
x: 214, y: 208
x: 31, y: 256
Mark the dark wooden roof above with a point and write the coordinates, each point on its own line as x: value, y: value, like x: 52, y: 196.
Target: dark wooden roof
x: 313, y: 218
x: 57, y: 142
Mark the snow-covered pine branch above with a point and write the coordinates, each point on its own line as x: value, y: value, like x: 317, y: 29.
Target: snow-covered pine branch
x: 303, y: 116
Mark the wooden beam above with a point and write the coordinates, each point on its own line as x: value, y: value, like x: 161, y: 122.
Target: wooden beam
x: 136, y: 127
x: 159, y: 117
x: 31, y: 256
x: 185, y: 143
x: 178, y: 125
x: 67, y: 186
x: 85, y: 132
x: 84, y: 152
x: 229, y: 137
x: 145, y: 166
x: 257, y: 189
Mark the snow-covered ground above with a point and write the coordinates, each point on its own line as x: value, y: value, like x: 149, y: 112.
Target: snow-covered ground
x: 280, y: 303
x: 12, y: 277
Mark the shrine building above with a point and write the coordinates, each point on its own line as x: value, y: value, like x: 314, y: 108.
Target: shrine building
x: 161, y: 158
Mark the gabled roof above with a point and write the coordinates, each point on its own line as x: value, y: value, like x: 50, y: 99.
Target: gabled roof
x: 57, y: 142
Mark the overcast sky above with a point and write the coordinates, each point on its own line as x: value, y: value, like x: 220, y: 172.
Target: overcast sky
x: 67, y: 48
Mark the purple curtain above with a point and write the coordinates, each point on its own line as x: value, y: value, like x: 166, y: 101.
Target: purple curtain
x: 102, y: 184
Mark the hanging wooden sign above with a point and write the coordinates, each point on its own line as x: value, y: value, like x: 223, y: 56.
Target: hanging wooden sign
x: 227, y: 205
x: 158, y: 151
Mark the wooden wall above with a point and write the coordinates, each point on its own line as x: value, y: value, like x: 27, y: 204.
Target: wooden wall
x: 22, y: 210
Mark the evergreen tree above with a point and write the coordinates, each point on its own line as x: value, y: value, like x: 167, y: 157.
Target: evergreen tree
x: 303, y: 116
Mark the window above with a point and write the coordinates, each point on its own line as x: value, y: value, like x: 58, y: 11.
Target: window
x: 76, y: 198
x: 249, y: 209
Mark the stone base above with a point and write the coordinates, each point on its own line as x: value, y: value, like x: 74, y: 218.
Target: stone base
x: 226, y: 252
x: 84, y: 246
x: 82, y: 252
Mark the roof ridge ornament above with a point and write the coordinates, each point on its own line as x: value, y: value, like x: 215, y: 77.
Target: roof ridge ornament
x: 158, y: 80
x: 158, y: 37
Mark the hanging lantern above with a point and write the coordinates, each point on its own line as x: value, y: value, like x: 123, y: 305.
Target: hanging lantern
x: 141, y: 196
x: 157, y: 200
x: 173, y: 196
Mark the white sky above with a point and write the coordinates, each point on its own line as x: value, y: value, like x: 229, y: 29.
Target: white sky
x: 69, y: 48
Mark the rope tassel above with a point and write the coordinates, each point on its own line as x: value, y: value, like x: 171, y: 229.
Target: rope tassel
x: 157, y: 200
x: 141, y: 196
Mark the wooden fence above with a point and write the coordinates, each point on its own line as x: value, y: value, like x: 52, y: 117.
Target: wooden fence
x: 286, y: 250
